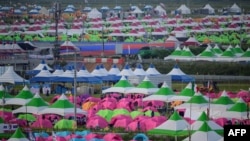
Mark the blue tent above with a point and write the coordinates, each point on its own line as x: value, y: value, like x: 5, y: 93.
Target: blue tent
x: 178, y: 75
x: 140, y: 137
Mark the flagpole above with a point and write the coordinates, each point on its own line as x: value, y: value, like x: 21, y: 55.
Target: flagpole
x: 75, y: 86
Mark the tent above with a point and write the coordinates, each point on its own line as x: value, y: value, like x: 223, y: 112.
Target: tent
x: 35, y: 105
x: 10, y: 76
x: 94, y: 13
x: 18, y: 136
x: 62, y: 107
x: 43, y: 76
x: 178, y: 75
x: 145, y: 87
x: 209, y: 8
x: 21, y: 98
x: 39, y: 67
x: 235, y: 8
x: 184, y: 9
x: 120, y: 87
x: 152, y: 70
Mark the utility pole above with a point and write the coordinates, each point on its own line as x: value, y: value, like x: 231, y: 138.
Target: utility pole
x: 57, y: 15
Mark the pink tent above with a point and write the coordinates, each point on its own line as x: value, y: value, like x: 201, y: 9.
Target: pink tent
x: 150, y: 108
x: 92, y: 99
x: 96, y: 122
x: 6, y: 115
x: 125, y: 103
x: 221, y: 121
x: 121, y: 121
x: 20, y: 122
x: 90, y: 136
x: 108, y: 104
x: 42, y: 123
x: 133, y: 126
x: 148, y: 124
x: 112, y: 137
x: 153, y: 103
x: 139, y: 118
x: 159, y: 118
x: 243, y: 93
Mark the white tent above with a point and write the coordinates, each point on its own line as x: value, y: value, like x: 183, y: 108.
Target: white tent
x: 94, y: 13
x: 184, y: 9
x: 235, y: 8
x: 160, y: 10
x: 10, y: 76
x: 209, y: 8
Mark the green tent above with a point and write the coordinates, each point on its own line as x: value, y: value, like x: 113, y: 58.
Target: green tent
x: 163, y: 94
x: 145, y: 87
x: 206, y: 133
x: 117, y: 112
x: 174, y: 126
x: 185, y: 93
x: 203, y: 118
x: 35, y: 105
x: 62, y: 107
x: 18, y: 136
x: 134, y: 114
x: 121, y: 86
x: 197, y: 101
x: 21, y: 98
x: 217, y: 50
x: 4, y: 95
x: 65, y: 124
x: 223, y: 103
x: 106, y: 114
x: 238, y: 111
x: 28, y: 117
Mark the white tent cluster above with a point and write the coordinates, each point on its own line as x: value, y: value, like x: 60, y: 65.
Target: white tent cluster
x: 216, y: 54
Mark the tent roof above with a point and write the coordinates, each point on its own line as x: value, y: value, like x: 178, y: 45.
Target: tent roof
x: 10, y: 76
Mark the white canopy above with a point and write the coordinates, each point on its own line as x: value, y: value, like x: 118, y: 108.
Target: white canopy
x: 94, y: 13
x: 184, y: 9
x: 10, y: 76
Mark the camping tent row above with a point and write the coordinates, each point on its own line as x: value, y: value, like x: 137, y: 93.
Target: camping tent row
x: 231, y: 54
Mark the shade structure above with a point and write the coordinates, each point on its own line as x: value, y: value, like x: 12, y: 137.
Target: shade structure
x: 185, y: 94
x: 4, y: 96
x: 114, y: 70
x: 206, y: 55
x: 238, y: 111
x: 39, y: 67
x: 152, y: 70
x: 204, y: 118
x: 21, y: 98
x: 10, y: 76
x: 145, y: 87
x: 85, y: 76
x: 197, y: 101
x: 62, y: 107
x: 174, y: 126
x: 126, y: 71
x: 223, y: 103
x: 205, y: 133
x: 35, y: 105
x: 139, y: 70
x: 43, y: 75
x: 163, y: 94
x: 18, y: 136
x: 120, y: 87
x: 178, y: 75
